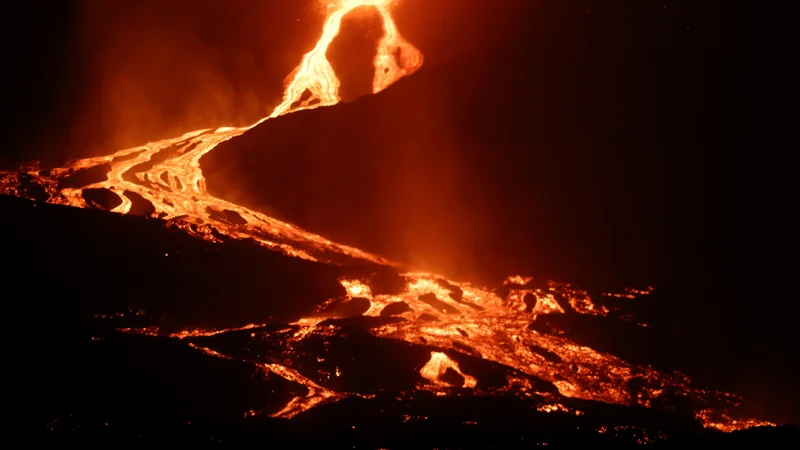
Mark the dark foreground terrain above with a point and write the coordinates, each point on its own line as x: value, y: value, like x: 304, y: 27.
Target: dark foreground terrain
x: 80, y: 276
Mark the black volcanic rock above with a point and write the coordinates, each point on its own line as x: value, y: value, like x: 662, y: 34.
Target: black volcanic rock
x: 439, y: 305
x: 546, y: 354
x: 456, y: 293
x: 452, y: 377
x: 345, y: 308
x: 502, y: 291
x: 101, y: 263
x: 543, y: 324
x: 140, y: 206
x: 226, y: 216
x: 466, y: 349
x: 424, y: 148
x: 530, y: 301
x: 395, y: 308
x: 27, y: 188
x: 594, y: 144
x: 362, y: 322
x: 84, y: 177
x: 563, y: 302
x: 101, y: 198
x: 630, y: 340
x: 386, y: 281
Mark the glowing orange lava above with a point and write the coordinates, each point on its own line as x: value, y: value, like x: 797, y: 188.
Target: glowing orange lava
x: 176, y: 186
x: 451, y: 316
x: 439, y: 364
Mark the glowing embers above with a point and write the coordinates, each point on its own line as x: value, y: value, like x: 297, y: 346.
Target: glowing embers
x: 558, y: 407
x: 578, y: 299
x: 444, y: 372
x: 356, y: 289
x: 316, y: 393
x: 145, y: 331
x: 199, y: 332
x: 630, y: 293
x: 721, y: 421
x: 555, y: 297
x: 425, y: 295
x: 518, y: 280
x: 534, y: 301
x: 496, y: 329
x: 536, y: 363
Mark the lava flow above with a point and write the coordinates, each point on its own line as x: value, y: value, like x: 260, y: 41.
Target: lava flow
x: 502, y: 327
x: 167, y: 173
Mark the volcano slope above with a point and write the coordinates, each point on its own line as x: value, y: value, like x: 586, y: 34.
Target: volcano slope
x: 543, y: 158
x: 571, y: 168
x: 97, y: 316
x: 540, y: 139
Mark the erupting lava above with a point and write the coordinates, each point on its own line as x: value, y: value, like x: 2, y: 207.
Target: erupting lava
x: 450, y: 316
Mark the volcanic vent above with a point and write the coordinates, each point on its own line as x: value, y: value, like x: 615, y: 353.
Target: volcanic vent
x: 344, y: 330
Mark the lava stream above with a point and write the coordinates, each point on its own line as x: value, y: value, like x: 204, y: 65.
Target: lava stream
x: 467, y: 319
x: 176, y: 186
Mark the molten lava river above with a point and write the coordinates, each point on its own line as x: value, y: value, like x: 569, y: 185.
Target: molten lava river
x: 450, y: 324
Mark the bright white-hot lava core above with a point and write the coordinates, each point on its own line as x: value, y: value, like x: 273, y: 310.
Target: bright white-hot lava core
x: 451, y: 316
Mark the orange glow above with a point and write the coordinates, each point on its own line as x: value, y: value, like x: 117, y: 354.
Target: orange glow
x: 356, y: 288
x: 451, y: 316
x: 438, y: 365
x: 579, y: 299
x: 722, y: 422
x: 197, y: 333
x: 518, y: 280
x: 630, y: 293
x: 558, y: 407
x: 316, y: 393
x: 176, y: 186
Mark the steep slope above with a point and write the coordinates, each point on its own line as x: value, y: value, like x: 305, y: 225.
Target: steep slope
x: 569, y: 164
